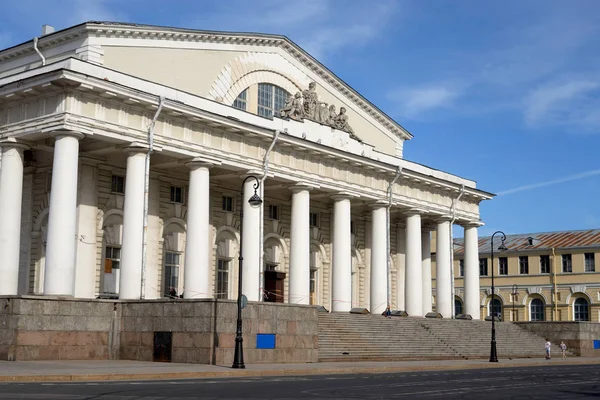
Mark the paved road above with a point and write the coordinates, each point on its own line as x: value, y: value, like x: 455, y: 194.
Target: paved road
x: 548, y: 383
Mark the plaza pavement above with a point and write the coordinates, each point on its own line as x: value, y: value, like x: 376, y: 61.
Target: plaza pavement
x: 68, y: 371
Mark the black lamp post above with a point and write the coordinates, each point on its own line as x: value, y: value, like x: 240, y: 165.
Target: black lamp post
x: 254, y: 201
x: 514, y: 293
x: 493, y: 353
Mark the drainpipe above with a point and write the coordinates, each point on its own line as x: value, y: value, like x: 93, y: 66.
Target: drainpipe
x: 161, y: 101
x: 262, y: 214
x: 554, y: 300
x: 35, y: 47
x: 453, y: 213
x: 387, y: 225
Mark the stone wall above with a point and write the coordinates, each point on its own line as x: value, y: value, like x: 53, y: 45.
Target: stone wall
x: 51, y: 328
x: 202, y: 331
x: 578, y: 336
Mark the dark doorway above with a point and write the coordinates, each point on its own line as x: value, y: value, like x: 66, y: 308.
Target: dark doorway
x: 163, y: 344
x: 274, y: 286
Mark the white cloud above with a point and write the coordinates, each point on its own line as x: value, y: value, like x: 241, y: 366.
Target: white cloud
x: 532, y: 186
x: 565, y: 103
x: 414, y: 101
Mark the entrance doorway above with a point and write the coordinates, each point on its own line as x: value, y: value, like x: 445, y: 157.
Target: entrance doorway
x: 274, y: 286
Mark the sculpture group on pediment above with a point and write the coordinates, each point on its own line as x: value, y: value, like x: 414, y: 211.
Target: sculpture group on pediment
x: 306, y: 104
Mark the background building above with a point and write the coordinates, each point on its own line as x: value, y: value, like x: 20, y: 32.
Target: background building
x: 547, y: 276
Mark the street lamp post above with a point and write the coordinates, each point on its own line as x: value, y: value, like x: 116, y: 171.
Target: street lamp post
x: 254, y: 201
x: 493, y: 353
x: 514, y: 295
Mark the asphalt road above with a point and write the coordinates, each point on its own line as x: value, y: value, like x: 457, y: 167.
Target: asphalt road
x: 547, y: 383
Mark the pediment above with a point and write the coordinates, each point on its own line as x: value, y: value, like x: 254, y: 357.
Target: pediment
x: 217, y: 66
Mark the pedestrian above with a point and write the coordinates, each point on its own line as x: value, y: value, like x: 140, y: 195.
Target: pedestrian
x: 547, y: 346
x: 388, y: 312
x: 563, y: 349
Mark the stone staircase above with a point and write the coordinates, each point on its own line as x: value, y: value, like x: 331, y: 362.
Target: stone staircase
x: 356, y: 337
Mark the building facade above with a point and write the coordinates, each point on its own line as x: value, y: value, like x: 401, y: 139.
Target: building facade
x: 548, y: 276
x: 130, y: 154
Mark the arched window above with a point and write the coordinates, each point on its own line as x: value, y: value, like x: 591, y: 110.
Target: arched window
x: 536, y: 310
x: 496, y: 308
x: 264, y: 99
x: 458, y: 307
x: 581, y: 310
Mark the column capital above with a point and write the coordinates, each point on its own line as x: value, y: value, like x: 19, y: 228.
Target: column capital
x: 413, y: 211
x: 61, y: 133
x: 201, y: 162
x: 13, y: 143
x: 378, y: 204
x: 300, y: 186
x: 473, y: 224
x: 136, y: 147
x: 442, y: 218
x: 343, y: 196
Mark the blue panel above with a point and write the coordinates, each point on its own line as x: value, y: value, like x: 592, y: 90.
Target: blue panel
x: 596, y: 344
x: 265, y: 340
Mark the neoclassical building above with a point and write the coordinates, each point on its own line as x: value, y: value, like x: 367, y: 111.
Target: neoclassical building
x: 124, y: 149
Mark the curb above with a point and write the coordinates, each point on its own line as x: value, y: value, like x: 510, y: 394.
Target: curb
x: 272, y: 372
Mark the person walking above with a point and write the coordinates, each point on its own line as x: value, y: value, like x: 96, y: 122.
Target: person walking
x: 563, y: 349
x: 547, y: 346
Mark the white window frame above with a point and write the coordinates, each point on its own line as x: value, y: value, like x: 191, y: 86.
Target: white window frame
x: 218, y: 269
x: 114, y: 189
x: 225, y: 201
x: 177, y: 198
x: 172, y: 266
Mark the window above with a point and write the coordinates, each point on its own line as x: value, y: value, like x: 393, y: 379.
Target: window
x: 112, y: 259
x: 117, y: 184
x: 313, y: 286
x: 567, y: 265
x: 241, y: 101
x: 271, y: 99
x: 581, y: 310
x: 171, y: 274
x: 273, y: 212
x: 314, y: 220
x: 461, y: 267
x: 458, y: 307
x: 523, y: 265
x: 176, y: 194
x: 545, y: 264
x: 483, y: 270
x: 223, y: 279
x: 590, y: 262
x: 503, y: 266
x: 536, y: 310
x: 227, y: 203
x: 352, y: 227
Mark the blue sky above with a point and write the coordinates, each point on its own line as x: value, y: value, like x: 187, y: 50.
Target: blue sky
x: 506, y: 93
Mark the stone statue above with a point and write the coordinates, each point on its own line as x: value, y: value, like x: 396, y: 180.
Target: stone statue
x: 310, y: 101
x: 293, y: 107
x: 330, y: 120
x: 341, y: 123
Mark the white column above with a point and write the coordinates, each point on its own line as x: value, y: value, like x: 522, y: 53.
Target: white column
x: 443, y: 291
x: 87, y: 213
x: 130, y: 284
x: 197, y: 246
x: 11, y: 194
x: 400, y: 265
x: 300, y: 247
x: 251, y: 243
x: 471, y: 280
x: 59, y: 275
x: 426, y: 265
x: 414, y: 276
x: 341, y: 255
x: 379, y: 274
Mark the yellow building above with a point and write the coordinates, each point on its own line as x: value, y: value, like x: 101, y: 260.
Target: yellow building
x: 549, y: 276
